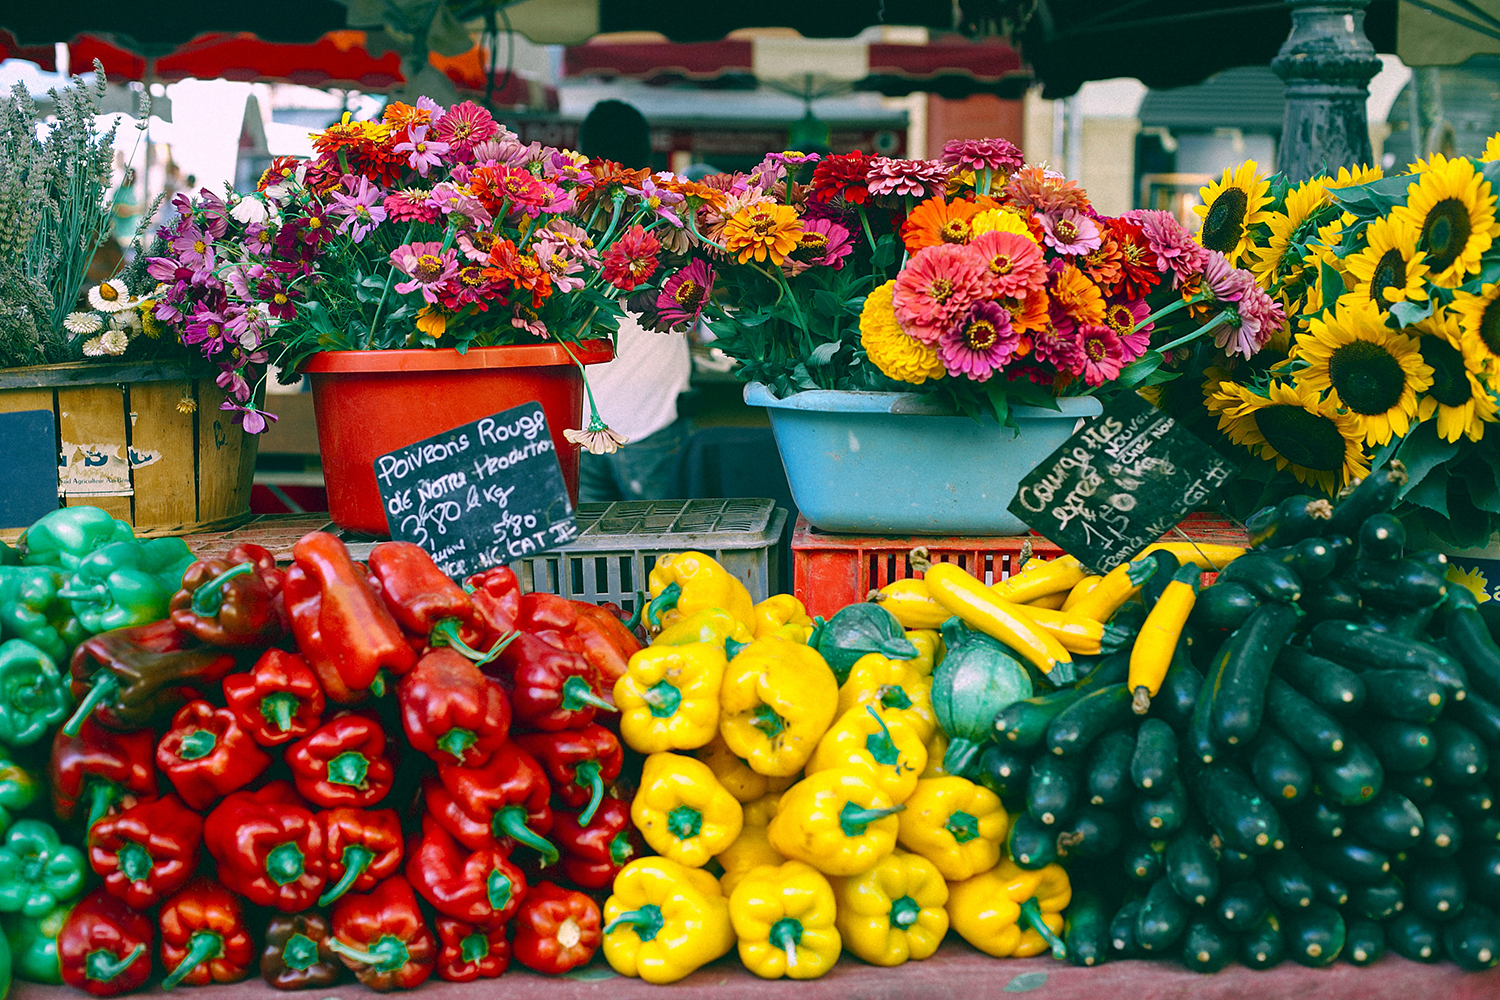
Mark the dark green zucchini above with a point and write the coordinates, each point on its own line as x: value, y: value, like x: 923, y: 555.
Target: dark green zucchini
x: 1167, y: 564
x: 1092, y: 833
x: 1264, y: 945
x: 1364, y: 941
x: 1382, y: 537
x: 1318, y: 820
x: 1225, y: 605
x: 1235, y: 865
x: 1375, y: 494
x: 1472, y: 942
x: 1004, y: 771
x: 1179, y: 691
x: 1432, y: 559
x: 1362, y: 648
x: 1482, y: 866
x: 1053, y: 791
x: 1442, y: 833
x: 1436, y: 890
x: 1032, y: 844
x: 1111, y: 669
x: 1090, y: 716
x: 1144, y: 860
x: 1288, y: 881
x: 1086, y: 932
x: 1314, y: 731
x: 1129, y: 617
x: 1288, y: 522
x: 1408, y: 623
x: 1163, y: 919
x: 1330, y: 890
x: 1408, y: 695
x: 1242, y: 905
x: 1122, y: 930
x: 1154, y: 761
x: 1403, y: 747
x: 1479, y: 714
x: 1389, y: 821
x: 1331, y: 687
x: 1349, y: 860
x: 1236, y: 810
x: 1332, y: 597
x: 1352, y: 778
x: 1462, y: 758
x: 1472, y: 802
x: 1163, y: 814
x: 1281, y: 770
x: 1467, y: 635
x: 1409, y: 936
x: 1484, y: 831
x: 1108, y: 772
x: 1416, y: 785
x: 1192, y: 869
x: 1023, y: 724
x: 1311, y: 559
x: 1198, y: 740
x: 1265, y: 576
x: 1344, y: 551
x: 1207, y: 947
x: 1314, y: 936
x: 1404, y: 583
x: 1378, y: 900
x: 1240, y: 695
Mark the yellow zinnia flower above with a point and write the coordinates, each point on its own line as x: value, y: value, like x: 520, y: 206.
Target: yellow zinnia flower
x: 889, y: 348
x: 1365, y: 367
x: 1451, y: 207
x: 1001, y: 220
x: 762, y: 231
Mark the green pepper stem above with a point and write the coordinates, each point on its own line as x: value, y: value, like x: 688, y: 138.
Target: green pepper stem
x: 817, y: 632
x: 445, y: 633
x: 356, y: 860
x: 647, y: 921
x: 733, y: 647
x: 577, y: 693
x: 665, y: 601
x: 209, y: 597
x: 280, y: 708
x: 1031, y: 915
x: 202, y: 946
x: 586, y: 775
x: 104, y: 685
x: 102, y: 966
x: 634, y: 621
x: 853, y: 820
x: 101, y: 797
x: 785, y: 934
x: 388, y: 954
x: 457, y: 742
x: 511, y: 822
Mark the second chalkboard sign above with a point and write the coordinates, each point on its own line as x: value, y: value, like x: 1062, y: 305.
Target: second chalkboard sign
x: 1119, y: 483
x: 482, y: 494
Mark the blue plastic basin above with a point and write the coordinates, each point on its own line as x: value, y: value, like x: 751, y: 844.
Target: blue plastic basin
x: 884, y: 463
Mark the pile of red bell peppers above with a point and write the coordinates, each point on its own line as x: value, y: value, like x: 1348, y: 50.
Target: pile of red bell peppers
x: 338, y: 765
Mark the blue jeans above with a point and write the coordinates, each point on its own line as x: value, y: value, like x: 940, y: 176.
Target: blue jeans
x: 648, y: 469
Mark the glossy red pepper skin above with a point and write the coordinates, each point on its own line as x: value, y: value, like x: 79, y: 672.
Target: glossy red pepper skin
x: 451, y: 711
x: 343, y: 762
x: 206, y: 755
x: 468, y: 952
x: 505, y: 802
x: 151, y: 670
x: 479, y: 887
x: 387, y: 924
x: 296, y: 954
x: 550, y: 688
x: 364, y: 842
x: 203, y: 928
x: 277, y: 700
x: 496, y: 594
x: 243, y: 610
x: 148, y: 851
x: 100, y: 767
x: 97, y: 941
x: 585, y: 629
x: 593, y: 853
x: 557, y: 929
x: 268, y: 846
x: 342, y: 627
x: 580, y: 763
x: 419, y: 594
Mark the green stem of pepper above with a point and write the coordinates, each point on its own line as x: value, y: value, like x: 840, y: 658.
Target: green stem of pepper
x: 102, y: 966
x: 386, y: 955
x: 103, y: 686
x: 586, y: 775
x: 786, y: 934
x: 1031, y: 915
x: 511, y: 822
x: 853, y: 820
x: 665, y: 601
x: 577, y: 693
x: 202, y: 946
x: 647, y: 922
x: 356, y: 860
x: 445, y: 633
x: 634, y: 621
x: 101, y: 796
x: 209, y: 598
x: 280, y: 709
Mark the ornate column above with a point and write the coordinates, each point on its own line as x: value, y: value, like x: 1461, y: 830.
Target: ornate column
x: 1327, y: 63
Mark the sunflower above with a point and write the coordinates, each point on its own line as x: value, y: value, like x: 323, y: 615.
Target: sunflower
x: 1231, y: 205
x: 1368, y: 370
x: 1479, y: 318
x: 936, y: 221
x: 1390, y: 268
x: 1353, y: 178
x: 1471, y: 579
x: 1491, y: 149
x: 1460, y: 393
x: 1291, y: 426
x: 1270, y: 262
x: 1451, y: 207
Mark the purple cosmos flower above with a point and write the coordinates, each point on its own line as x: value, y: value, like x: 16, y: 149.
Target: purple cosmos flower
x: 427, y: 264
x: 245, y: 326
x: 260, y: 237
x: 206, y: 327
x: 425, y: 153
x: 1070, y: 232
x: 253, y: 420
x: 215, y: 213
x: 684, y: 294
x: 658, y: 200
x: 167, y: 269
x: 277, y: 297
x: 980, y: 343
x: 194, y: 247
x: 242, y: 278
x: 362, y: 209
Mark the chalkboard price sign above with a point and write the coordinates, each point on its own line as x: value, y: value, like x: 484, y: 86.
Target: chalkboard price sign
x: 479, y: 495
x: 1119, y: 484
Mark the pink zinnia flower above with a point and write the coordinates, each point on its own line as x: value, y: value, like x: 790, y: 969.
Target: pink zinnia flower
x: 1013, y: 265
x: 476, y: 246
x: 934, y: 288
x: 450, y: 199
x: 1124, y: 318
x: 1059, y: 346
x: 1220, y: 278
x: 427, y: 264
x: 982, y: 154
x: 1174, y: 247
x: 980, y: 343
x: 425, y: 153
x: 913, y: 177
x: 631, y: 259
x: 1103, y: 355
x: 410, y: 205
x: 683, y: 295
x: 465, y: 126
x: 560, y: 267
x: 525, y: 319
x: 574, y: 241
x: 1254, y: 319
x: 823, y: 243
x: 1069, y: 232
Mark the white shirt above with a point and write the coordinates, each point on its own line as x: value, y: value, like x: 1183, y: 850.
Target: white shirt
x: 637, y: 392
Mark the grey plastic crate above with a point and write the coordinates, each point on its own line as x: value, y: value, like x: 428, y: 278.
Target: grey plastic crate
x: 618, y: 544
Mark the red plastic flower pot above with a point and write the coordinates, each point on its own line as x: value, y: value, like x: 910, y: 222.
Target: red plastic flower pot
x: 372, y: 402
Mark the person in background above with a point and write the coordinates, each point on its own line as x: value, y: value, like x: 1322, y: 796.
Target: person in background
x: 637, y: 392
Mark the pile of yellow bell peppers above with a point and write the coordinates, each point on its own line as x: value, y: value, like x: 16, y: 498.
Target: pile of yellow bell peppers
x: 822, y: 807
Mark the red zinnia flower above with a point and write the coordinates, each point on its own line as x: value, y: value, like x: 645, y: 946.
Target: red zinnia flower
x: 1139, y: 270
x: 631, y: 259
x: 522, y: 270
x: 841, y: 176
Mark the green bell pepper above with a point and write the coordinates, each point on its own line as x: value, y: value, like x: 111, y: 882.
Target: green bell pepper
x: 18, y: 790
x: 33, y: 944
x: 31, y: 608
x: 37, y: 870
x: 34, y: 698
x: 65, y: 536
x: 127, y: 583
x: 9, y: 556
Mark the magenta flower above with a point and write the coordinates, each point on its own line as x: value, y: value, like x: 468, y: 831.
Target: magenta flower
x: 245, y: 327
x: 476, y: 245
x: 1253, y: 319
x: 1013, y: 265
x: 410, y: 205
x: 1059, y: 346
x: 450, y: 199
x: 934, y: 288
x: 1174, y: 247
x: 684, y: 294
x: 215, y: 213
x: 574, y: 240
x: 1103, y: 355
x: 362, y: 209
x: 206, y: 327
x: 823, y: 243
x: 278, y: 299
x: 1124, y: 318
x: 194, y: 247
x: 253, y: 420
x: 464, y: 126
x: 1069, y: 232
x: 425, y: 153
x: 980, y: 343
x: 657, y: 200
x: 918, y: 178
x: 562, y: 268
x: 427, y: 264
x: 1220, y: 278
x: 982, y: 154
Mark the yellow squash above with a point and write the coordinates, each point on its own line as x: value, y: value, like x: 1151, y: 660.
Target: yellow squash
x: 1118, y: 586
x: 983, y: 610
x: 1041, y: 578
x: 1157, y: 641
x: 1200, y: 554
x: 912, y: 605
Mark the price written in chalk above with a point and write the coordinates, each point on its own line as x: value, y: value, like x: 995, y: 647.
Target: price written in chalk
x: 482, y: 494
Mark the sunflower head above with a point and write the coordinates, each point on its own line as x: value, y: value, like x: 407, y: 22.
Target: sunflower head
x: 1364, y: 367
x: 1452, y: 209
x: 1390, y: 268
x: 1231, y: 205
x: 1461, y: 394
x: 1291, y: 426
x: 1479, y: 321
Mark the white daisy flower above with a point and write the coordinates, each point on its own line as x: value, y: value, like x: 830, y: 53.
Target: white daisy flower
x: 129, y: 320
x: 94, y: 347
x: 249, y: 210
x: 110, y: 296
x: 598, y: 439
x: 114, y: 342
x: 82, y: 323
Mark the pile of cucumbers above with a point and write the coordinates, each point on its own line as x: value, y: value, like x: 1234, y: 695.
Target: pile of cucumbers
x: 1309, y: 783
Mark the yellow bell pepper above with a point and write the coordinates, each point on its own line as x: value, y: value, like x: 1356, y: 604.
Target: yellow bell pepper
x: 1010, y: 913
x: 893, y: 912
x: 983, y: 610
x: 957, y: 825
x: 911, y: 603
x: 886, y: 747
x: 683, y: 811
x: 1200, y: 554
x: 736, y: 776
x: 664, y: 920
x: 784, y: 920
x: 930, y: 650
x: 777, y: 700
x: 711, y: 625
x: 682, y: 583
x: 763, y: 810
x: 1157, y: 640
x: 894, y: 687
x: 750, y: 850
x: 1118, y: 586
x: 839, y: 821
x: 782, y: 614
x: 1083, y: 588
x: 1040, y: 578
x: 669, y: 697
x: 937, y: 749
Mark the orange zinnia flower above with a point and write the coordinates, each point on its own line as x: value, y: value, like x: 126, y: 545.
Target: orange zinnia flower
x: 1105, y: 263
x: 1030, y: 313
x: 522, y: 270
x: 762, y: 231
x: 937, y: 221
x: 346, y: 134
x: 403, y: 116
x: 1078, y: 297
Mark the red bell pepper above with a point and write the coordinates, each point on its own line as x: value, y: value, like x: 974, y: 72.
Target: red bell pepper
x: 100, y: 768
x: 585, y: 629
x: 557, y: 929
x: 278, y: 700
x: 361, y: 847
x: 341, y: 626
x: 104, y: 947
x: 382, y: 937
x: 268, y: 846
x: 496, y: 594
x: 550, y: 688
x: 469, y: 952
x: 206, y: 755
x: 148, y: 851
x: 479, y: 887
x: 296, y: 955
x: 128, y: 677
x: 203, y: 937
x: 594, y: 852
x: 580, y: 762
x: 233, y: 600
x: 424, y: 601
x: 343, y: 762
x: 451, y: 711
x: 505, y: 802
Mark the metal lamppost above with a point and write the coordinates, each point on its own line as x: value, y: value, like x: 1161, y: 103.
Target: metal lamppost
x: 1327, y: 63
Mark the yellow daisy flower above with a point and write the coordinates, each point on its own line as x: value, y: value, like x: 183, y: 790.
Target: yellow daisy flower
x: 1365, y: 367
x: 1390, y: 268
x: 1231, y: 205
x: 1472, y: 580
x: 1452, y: 208
x: 897, y: 355
x: 1292, y: 427
x: 1460, y: 395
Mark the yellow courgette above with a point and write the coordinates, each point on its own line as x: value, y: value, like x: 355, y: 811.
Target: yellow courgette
x: 1054, y: 576
x: 1118, y: 586
x: 1157, y: 640
x: 911, y: 603
x: 1202, y: 555
x: 1083, y: 588
x: 981, y: 609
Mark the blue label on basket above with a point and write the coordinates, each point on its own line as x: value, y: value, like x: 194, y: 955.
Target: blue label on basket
x: 1119, y: 484
x: 480, y: 495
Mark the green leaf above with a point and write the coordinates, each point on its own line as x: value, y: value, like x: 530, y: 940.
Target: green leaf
x: 1431, y: 492
x: 887, y: 250
x: 1139, y: 370
x: 1467, y: 526
x: 1421, y: 452
x: 823, y: 353
x: 446, y: 35
x: 1479, y: 476
x: 1411, y: 313
x: 827, y: 303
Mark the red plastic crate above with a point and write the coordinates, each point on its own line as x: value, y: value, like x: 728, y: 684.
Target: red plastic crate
x: 832, y: 571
